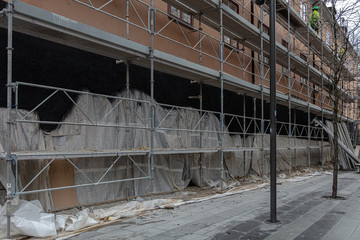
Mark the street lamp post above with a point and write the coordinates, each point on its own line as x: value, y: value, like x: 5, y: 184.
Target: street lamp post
x: 273, y: 218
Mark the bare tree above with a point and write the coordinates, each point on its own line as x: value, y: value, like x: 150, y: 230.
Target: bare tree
x: 344, y: 26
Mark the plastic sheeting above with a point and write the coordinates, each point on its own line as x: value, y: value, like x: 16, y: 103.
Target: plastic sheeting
x: 25, y: 137
x: 170, y: 171
x: 28, y: 219
x: 133, y: 208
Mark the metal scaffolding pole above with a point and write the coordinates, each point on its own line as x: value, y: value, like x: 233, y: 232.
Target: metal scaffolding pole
x: 294, y: 137
x: 127, y: 20
x: 201, y: 134
x: 254, y: 116
x: 262, y: 92
x: 244, y: 127
x: 152, y: 108
x: 308, y: 84
x: 200, y: 36
x: 222, y: 95
x: 127, y: 131
x: 289, y: 83
x: 9, y: 48
x: 322, y: 88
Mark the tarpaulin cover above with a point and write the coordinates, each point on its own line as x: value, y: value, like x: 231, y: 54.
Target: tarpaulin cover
x: 170, y: 171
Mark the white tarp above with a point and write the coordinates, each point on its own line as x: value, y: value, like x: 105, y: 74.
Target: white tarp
x: 28, y: 219
x: 170, y: 171
x: 24, y: 137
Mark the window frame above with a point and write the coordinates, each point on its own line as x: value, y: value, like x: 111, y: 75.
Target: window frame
x: 180, y: 18
x: 316, y: 88
x: 303, y: 80
x: 266, y: 60
x: 303, y: 56
x: 303, y: 11
x: 266, y: 28
x: 229, y: 44
x: 285, y: 43
x: 285, y: 71
x: 235, y: 4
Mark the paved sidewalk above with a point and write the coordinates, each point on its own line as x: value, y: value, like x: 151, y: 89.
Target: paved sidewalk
x: 303, y: 213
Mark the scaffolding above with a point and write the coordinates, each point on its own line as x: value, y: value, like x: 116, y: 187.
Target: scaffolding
x: 296, y: 80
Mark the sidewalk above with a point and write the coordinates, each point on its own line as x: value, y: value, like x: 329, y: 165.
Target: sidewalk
x: 303, y: 213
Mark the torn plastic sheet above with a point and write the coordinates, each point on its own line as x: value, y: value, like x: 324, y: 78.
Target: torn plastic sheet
x: 81, y: 220
x: 28, y: 219
x: 132, y: 208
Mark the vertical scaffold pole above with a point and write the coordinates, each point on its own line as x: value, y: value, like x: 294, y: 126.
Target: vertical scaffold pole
x: 127, y: 131
x: 9, y: 48
x: 262, y: 92
x: 295, y: 127
x: 289, y: 85
x: 201, y: 134
x: 200, y: 35
x: 127, y: 20
x: 222, y: 95
x: 152, y: 101
x: 244, y: 135
x: 308, y: 85
x: 322, y: 90
x: 254, y: 115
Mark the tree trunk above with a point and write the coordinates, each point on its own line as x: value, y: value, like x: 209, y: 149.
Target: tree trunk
x: 336, y: 146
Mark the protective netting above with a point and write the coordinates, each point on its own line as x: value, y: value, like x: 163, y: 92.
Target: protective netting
x: 176, y: 129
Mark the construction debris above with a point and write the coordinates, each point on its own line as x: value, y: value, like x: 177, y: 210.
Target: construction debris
x: 347, y: 158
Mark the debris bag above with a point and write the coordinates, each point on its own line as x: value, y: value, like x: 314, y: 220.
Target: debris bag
x: 81, y: 220
x: 29, y: 219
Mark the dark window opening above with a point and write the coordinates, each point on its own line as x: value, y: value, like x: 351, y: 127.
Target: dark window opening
x: 232, y: 5
x: 303, y: 57
x: 284, y: 43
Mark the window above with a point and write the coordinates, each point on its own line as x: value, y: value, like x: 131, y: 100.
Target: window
x: 284, y: 70
x: 284, y: 43
x: 232, y: 5
x: 303, y: 56
x: 328, y: 38
x: 180, y: 15
x: 230, y: 42
x: 303, y: 80
x: 316, y: 88
x: 175, y: 12
x: 186, y: 18
x: 266, y: 60
x: 266, y: 29
x: 303, y: 10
